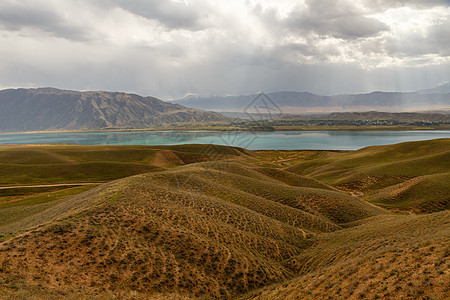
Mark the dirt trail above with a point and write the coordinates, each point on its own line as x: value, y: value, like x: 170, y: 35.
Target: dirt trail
x: 48, y: 185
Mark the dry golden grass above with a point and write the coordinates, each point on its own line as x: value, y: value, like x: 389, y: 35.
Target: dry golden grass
x: 225, y: 230
x: 149, y: 239
x: 373, y: 167
x: 388, y: 257
x: 420, y: 194
x: 202, y: 228
x: 167, y: 158
x: 51, y: 164
x: 409, y: 176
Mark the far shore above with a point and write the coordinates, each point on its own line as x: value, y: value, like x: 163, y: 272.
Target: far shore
x: 227, y: 128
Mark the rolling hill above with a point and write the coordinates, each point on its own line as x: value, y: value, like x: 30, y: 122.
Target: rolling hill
x: 197, y: 230
x: 388, y: 257
x: 408, y: 176
x: 420, y: 194
x: 52, y: 164
x: 229, y: 224
x: 53, y: 109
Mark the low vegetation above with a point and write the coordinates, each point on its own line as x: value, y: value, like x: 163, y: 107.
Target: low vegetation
x: 202, y: 221
x: 387, y: 257
x: 409, y: 176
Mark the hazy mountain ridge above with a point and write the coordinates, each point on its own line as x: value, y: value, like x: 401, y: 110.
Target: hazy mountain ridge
x: 443, y: 88
x: 301, y: 102
x: 376, y: 115
x: 53, y: 109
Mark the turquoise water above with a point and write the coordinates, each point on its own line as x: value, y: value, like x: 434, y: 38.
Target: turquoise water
x: 274, y: 140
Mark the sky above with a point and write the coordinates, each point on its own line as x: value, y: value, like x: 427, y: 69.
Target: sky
x: 172, y: 48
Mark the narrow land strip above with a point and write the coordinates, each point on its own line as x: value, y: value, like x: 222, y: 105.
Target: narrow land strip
x: 48, y: 185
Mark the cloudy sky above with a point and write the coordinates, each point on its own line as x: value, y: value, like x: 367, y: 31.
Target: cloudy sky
x: 170, y: 48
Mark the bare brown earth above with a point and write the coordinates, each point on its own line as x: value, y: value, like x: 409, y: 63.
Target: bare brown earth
x: 220, y: 223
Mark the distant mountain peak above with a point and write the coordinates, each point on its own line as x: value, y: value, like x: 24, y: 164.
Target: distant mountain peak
x: 442, y: 88
x: 50, y: 90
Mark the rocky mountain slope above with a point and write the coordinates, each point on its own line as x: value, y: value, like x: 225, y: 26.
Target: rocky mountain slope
x: 53, y: 109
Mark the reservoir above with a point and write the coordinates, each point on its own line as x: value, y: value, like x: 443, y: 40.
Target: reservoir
x: 252, y: 140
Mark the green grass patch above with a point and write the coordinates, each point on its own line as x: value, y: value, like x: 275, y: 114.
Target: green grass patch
x: 14, y: 211
x: 25, y: 191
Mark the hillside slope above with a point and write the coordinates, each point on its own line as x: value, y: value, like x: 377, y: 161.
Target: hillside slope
x: 222, y: 226
x: 210, y: 229
x: 34, y: 178
x: 51, y: 164
x: 389, y: 257
x: 410, y: 176
x: 53, y: 109
x: 427, y: 193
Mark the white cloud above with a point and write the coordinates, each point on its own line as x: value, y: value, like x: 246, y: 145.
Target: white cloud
x: 170, y: 48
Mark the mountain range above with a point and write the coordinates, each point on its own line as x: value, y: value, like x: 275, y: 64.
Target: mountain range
x: 54, y: 109
x: 307, y: 103
x: 442, y: 88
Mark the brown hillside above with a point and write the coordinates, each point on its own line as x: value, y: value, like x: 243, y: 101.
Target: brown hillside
x: 293, y: 179
x: 388, y: 257
x: 142, y: 237
x: 197, y: 230
x: 421, y: 194
x: 407, y: 176
x: 166, y: 158
x: 210, y: 223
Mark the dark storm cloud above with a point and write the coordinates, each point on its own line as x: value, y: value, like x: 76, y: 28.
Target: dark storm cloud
x: 17, y: 15
x: 174, y: 15
x: 339, y: 19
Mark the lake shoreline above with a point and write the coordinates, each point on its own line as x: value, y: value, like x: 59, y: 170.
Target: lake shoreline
x: 251, y: 140
x: 221, y: 129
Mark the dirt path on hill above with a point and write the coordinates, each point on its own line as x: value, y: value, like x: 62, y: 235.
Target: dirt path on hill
x: 49, y: 185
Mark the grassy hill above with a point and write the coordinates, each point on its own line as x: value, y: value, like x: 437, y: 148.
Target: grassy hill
x: 36, y: 177
x: 408, y: 176
x: 50, y: 164
x: 420, y: 194
x: 387, y: 257
x: 225, y: 222
x: 198, y: 239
